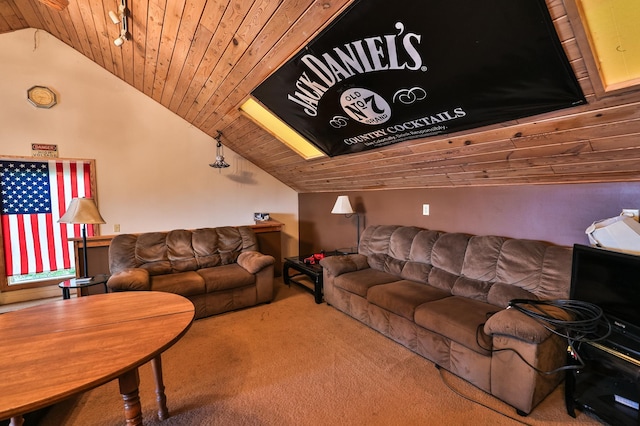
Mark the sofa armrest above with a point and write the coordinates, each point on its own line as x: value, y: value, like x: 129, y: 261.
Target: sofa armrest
x: 513, y: 323
x: 254, y: 261
x: 337, y: 265
x: 130, y: 279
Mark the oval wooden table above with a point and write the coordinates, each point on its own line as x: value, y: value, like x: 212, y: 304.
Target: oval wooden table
x: 55, y: 350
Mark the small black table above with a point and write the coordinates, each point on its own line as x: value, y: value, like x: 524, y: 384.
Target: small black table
x: 80, y: 283
x: 314, y: 272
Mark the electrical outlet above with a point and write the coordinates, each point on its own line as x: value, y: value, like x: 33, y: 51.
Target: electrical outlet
x: 634, y: 213
x: 425, y: 209
x: 116, y: 227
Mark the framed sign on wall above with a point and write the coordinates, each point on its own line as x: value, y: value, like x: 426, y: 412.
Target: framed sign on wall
x: 385, y: 72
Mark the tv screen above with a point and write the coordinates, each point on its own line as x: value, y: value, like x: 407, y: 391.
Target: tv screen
x: 611, y: 280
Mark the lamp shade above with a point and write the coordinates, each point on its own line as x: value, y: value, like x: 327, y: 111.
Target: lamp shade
x: 82, y: 210
x: 342, y: 205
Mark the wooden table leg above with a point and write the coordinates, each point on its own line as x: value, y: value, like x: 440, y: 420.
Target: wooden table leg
x: 129, y: 383
x: 161, y: 398
x: 16, y: 421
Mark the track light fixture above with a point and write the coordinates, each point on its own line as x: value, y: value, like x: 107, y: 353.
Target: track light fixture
x: 121, y: 18
x: 219, y: 163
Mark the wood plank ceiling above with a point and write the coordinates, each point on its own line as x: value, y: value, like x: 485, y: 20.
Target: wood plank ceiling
x: 202, y: 58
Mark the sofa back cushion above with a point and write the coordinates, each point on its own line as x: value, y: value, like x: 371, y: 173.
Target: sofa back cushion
x: 180, y: 250
x: 541, y: 269
x: 488, y: 268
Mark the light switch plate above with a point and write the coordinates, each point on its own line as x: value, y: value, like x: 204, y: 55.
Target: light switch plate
x: 425, y: 209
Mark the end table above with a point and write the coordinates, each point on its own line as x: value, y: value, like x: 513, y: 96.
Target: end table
x: 80, y: 283
x: 314, y: 272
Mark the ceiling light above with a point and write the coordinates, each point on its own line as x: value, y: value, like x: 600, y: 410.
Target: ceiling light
x: 219, y: 163
x: 114, y: 18
x: 279, y: 129
x: 121, y: 18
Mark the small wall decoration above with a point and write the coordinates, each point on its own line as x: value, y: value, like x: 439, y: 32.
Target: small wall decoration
x: 44, y: 150
x: 385, y: 72
x: 42, y: 97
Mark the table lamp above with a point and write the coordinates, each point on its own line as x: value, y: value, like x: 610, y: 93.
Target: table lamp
x: 82, y: 211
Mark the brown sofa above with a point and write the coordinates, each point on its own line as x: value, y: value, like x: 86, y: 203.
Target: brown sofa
x: 218, y: 269
x: 445, y: 297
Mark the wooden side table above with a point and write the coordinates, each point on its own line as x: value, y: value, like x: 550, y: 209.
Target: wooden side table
x: 80, y: 284
x: 314, y: 272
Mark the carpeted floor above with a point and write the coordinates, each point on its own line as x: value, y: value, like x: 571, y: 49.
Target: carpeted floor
x: 294, y: 362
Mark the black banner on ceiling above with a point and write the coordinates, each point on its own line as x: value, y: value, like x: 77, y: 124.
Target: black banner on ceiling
x: 385, y: 72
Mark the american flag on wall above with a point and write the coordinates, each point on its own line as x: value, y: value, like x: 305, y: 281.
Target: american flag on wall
x: 34, y: 195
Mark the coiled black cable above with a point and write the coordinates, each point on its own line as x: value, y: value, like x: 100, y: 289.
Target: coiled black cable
x: 583, y: 322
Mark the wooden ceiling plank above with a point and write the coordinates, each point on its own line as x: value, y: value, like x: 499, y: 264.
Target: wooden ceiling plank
x: 197, y: 51
x: 12, y: 18
x: 252, y: 27
x: 102, y: 38
x: 138, y: 30
x: 5, y: 27
x: 615, y: 141
x: 170, y: 27
x: 82, y: 15
x: 110, y: 32
x: 224, y: 36
x: 45, y: 17
x: 256, y: 65
x: 186, y: 36
x: 601, y: 131
x: 66, y: 33
x: 203, y: 64
x: 155, y: 20
x: 81, y: 42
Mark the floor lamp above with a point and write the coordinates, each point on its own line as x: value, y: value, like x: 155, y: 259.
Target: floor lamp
x: 343, y: 206
x: 82, y: 211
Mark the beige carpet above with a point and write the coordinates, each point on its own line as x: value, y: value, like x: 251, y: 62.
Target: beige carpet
x: 293, y: 362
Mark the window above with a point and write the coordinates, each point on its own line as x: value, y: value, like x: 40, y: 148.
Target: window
x: 608, y: 36
x: 34, y: 194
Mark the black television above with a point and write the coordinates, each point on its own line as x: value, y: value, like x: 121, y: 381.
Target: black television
x: 611, y: 280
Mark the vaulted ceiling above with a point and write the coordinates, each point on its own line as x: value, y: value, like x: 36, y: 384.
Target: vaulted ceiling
x: 202, y: 58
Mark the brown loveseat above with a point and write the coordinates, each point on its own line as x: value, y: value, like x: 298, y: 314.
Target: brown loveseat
x: 218, y: 269
x: 444, y: 296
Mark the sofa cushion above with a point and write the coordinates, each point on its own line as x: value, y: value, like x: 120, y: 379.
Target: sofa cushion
x: 401, y: 240
x: 254, y: 261
x: 151, y: 253
x: 337, y: 265
x: 375, y: 239
x: 180, y: 251
x: 459, y: 319
x: 442, y: 279
x: 448, y: 252
x: 229, y: 243
x: 129, y: 279
x: 535, y: 266
x: 402, y: 297
x: 182, y: 283
x: 416, y: 271
x: 473, y: 289
x: 422, y: 246
x: 501, y: 294
x: 226, y: 277
x: 122, y: 253
x: 359, y: 282
x: 481, y: 257
x: 205, y: 247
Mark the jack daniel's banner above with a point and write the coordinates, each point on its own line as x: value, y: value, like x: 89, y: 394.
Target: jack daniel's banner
x: 389, y: 71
